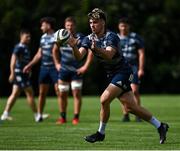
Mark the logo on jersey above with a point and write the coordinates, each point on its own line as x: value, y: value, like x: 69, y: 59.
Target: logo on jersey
x: 119, y: 83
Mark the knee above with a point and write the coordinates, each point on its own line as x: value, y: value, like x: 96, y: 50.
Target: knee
x: 62, y: 94
x: 57, y: 92
x: 77, y: 94
x: 104, y: 101
x: 42, y: 94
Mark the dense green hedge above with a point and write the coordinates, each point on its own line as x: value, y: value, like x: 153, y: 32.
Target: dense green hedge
x: 157, y: 21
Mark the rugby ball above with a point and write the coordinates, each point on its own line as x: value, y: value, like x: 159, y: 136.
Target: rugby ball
x: 61, y: 36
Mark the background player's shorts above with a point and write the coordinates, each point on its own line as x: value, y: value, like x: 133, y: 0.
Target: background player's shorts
x: 22, y: 80
x: 135, y: 74
x: 48, y: 75
x: 122, y: 80
x: 68, y: 76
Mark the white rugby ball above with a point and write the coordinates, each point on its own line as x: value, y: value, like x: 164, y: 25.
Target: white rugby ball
x: 61, y: 36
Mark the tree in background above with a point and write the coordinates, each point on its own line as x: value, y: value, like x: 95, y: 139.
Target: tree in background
x: 156, y: 21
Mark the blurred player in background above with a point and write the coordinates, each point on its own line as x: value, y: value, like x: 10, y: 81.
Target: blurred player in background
x: 70, y: 73
x: 48, y: 73
x: 105, y: 45
x: 21, y: 81
x: 133, y: 50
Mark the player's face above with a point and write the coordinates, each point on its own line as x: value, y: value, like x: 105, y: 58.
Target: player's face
x: 97, y: 25
x: 25, y: 38
x: 123, y: 28
x: 70, y: 26
x: 45, y: 27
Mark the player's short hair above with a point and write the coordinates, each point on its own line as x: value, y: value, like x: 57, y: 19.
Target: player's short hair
x: 50, y: 20
x: 97, y: 13
x: 24, y: 31
x: 124, y: 20
x: 70, y: 19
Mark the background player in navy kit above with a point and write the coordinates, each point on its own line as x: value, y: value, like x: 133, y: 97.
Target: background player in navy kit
x: 132, y: 47
x: 70, y: 72
x: 48, y: 73
x: 21, y: 81
x: 106, y: 46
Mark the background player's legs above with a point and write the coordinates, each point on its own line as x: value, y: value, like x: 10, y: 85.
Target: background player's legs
x: 63, y: 94
x: 43, y: 89
x: 58, y: 95
x: 10, y: 102
x: 76, y: 91
x: 30, y: 98
x: 135, y: 90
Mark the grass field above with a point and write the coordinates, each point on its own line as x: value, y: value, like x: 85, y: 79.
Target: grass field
x: 24, y: 133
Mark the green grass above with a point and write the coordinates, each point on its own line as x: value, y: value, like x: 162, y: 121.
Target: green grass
x: 24, y: 133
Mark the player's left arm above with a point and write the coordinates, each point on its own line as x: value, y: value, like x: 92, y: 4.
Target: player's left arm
x: 141, y: 54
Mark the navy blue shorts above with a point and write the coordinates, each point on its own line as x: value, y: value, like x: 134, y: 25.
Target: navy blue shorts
x: 48, y: 75
x: 135, y: 74
x: 122, y: 80
x: 68, y: 76
x: 22, y: 80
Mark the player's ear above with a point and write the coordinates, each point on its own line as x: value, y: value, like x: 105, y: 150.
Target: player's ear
x: 103, y: 22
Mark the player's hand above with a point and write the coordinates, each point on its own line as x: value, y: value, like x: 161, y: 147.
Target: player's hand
x: 93, y: 44
x: 58, y: 66
x: 140, y: 73
x: 72, y: 41
x: 11, y: 78
x: 81, y: 70
x: 27, y: 69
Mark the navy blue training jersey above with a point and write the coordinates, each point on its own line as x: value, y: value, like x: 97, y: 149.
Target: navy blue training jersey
x: 130, y: 45
x: 23, y: 56
x: 46, y: 44
x: 68, y: 61
x: 117, y: 63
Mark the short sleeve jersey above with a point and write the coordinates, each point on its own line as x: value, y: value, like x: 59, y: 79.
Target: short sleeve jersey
x: 46, y: 44
x: 23, y: 56
x: 117, y: 63
x: 130, y: 46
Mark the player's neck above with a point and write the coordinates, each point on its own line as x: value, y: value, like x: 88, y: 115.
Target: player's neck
x: 124, y: 34
x: 50, y: 32
x: 23, y: 42
x: 101, y: 33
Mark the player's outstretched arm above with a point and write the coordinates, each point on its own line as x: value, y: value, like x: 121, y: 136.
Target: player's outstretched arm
x: 35, y: 60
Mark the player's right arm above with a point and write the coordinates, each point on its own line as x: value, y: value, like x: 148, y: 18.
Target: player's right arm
x: 12, y: 67
x: 35, y: 60
x: 56, y: 58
